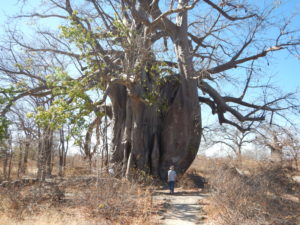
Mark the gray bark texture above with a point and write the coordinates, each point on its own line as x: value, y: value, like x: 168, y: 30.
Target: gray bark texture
x: 159, y: 135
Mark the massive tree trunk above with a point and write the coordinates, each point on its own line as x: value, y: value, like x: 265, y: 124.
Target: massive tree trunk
x: 156, y: 135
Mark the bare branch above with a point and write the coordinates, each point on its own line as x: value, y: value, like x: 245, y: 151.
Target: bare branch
x: 223, y: 13
x: 222, y: 107
x: 42, y: 16
x: 171, y: 11
x: 39, y: 91
x: 233, y: 64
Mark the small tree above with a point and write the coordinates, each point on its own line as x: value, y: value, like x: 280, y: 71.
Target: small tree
x: 283, y: 142
x: 63, y: 150
x: 292, y: 148
x: 232, y: 138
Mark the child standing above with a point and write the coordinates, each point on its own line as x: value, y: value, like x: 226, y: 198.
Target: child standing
x: 171, y: 179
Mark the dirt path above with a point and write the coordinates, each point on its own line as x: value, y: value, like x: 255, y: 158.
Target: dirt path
x: 182, y: 208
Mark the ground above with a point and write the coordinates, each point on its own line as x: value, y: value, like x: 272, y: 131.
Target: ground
x: 212, y: 191
x: 182, y: 208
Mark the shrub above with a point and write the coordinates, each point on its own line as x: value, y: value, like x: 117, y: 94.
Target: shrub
x: 19, y: 200
x: 264, y: 196
x: 192, y: 179
x: 100, y: 200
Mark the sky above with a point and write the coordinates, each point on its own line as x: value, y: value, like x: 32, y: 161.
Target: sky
x: 284, y: 67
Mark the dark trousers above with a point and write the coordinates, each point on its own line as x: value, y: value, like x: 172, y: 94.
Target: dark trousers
x: 171, y: 186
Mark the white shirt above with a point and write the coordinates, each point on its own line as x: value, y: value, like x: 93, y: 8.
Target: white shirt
x: 171, y: 175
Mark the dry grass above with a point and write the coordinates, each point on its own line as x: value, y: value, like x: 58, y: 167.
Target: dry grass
x: 118, y: 200
x: 83, y: 196
x: 191, y: 179
x: 77, y: 200
x: 20, y: 201
x: 51, y: 217
x: 257, y: 193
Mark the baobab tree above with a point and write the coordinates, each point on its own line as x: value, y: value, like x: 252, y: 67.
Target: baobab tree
x: 282, y: 142
x: 233, y: 139
x: 155, y: 61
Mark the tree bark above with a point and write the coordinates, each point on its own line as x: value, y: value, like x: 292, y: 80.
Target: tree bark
x: 10, y: 165
x: 61, y: 153
x: 25, y: 159
x: 156, y: 135
x: 48, y: 151
x: 5, y: 163
x: 41, y: 174
x: 10, y: 155
x: 20, y: 160
x: 44, y: 154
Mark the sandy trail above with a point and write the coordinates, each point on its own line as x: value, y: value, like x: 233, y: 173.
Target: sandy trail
x: 182, y: 208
